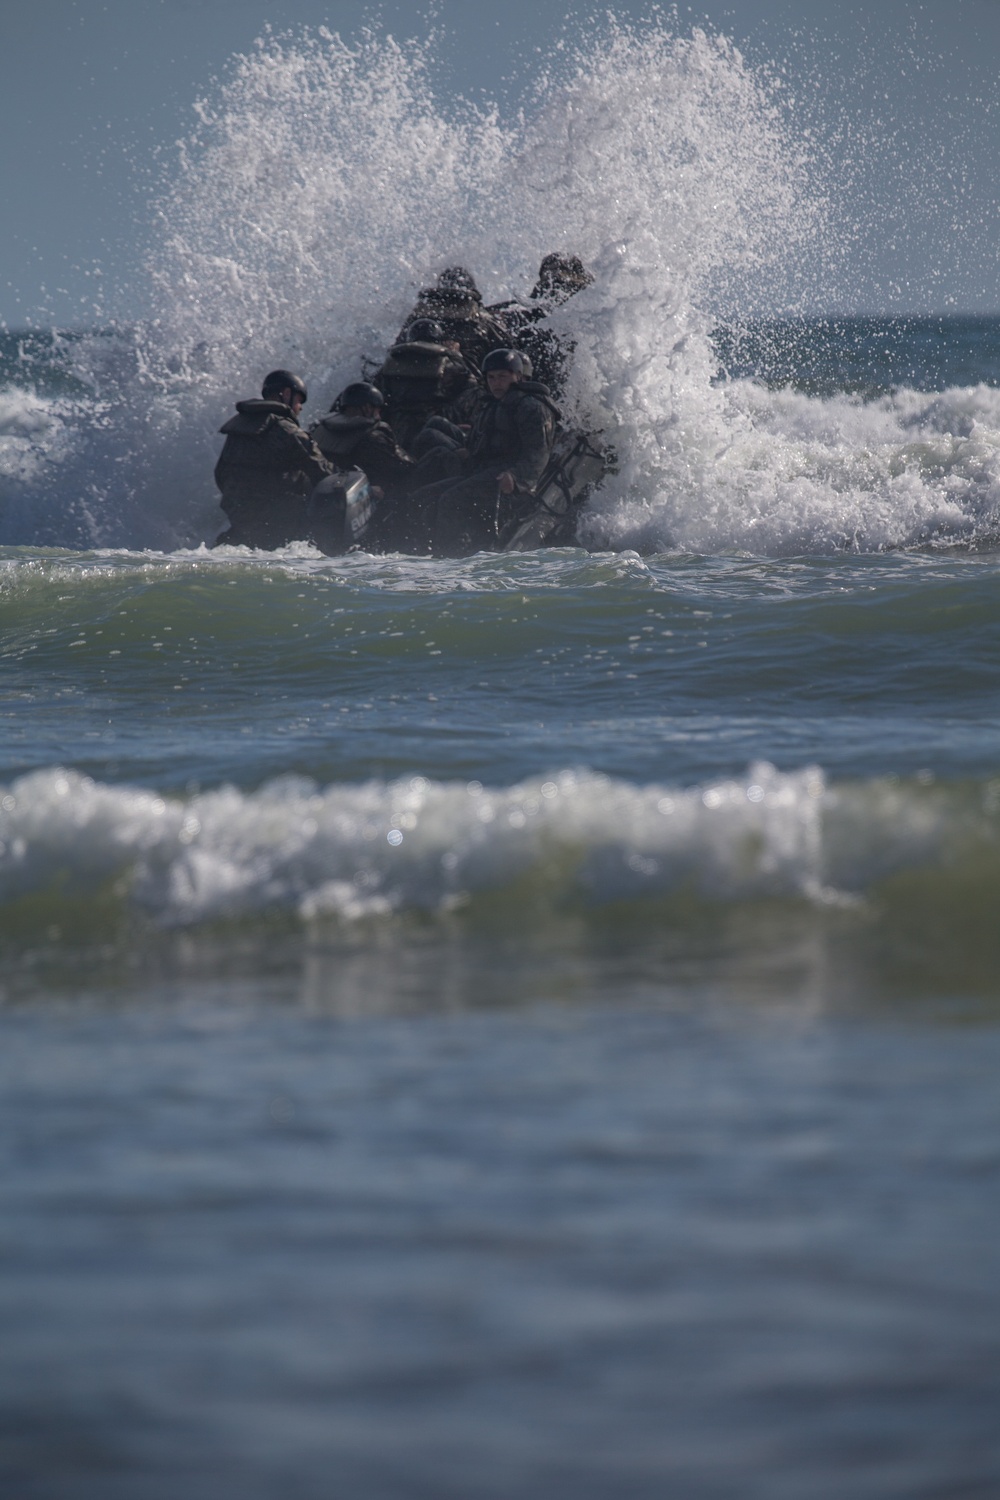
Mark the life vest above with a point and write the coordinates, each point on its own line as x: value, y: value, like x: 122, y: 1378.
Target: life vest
x: 337, y: 436
x: 414, y: 375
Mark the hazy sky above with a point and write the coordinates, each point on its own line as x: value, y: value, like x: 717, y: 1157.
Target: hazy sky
x: 95, y: 92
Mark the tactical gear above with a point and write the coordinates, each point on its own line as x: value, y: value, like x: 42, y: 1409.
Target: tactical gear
x: 422, y: 380
x: 267, y: 467
x: 548, y: 353
x: 361, y: 393
x: 559, y: 276
x: 455, y: 304
x: 282, y: 380
x: 415, y: 374
x: 458, y: 279
x: 516, y: 433
x: 365, y: 443
x: 513, y: 435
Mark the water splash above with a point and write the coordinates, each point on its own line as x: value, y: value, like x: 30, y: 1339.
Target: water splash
x: 325, y: 181
x: 322, y: 184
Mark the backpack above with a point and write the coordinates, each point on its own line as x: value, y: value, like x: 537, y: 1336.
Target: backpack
x: 414, y: 375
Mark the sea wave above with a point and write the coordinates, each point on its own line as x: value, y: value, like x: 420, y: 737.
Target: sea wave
x: 661, y: 158
x: 679, y: 173
x: 802, y: 474
x: 573, y: 840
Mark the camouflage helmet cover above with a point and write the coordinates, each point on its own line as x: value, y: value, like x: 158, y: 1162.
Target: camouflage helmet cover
x: 564, y: 274
x: 457, y: 279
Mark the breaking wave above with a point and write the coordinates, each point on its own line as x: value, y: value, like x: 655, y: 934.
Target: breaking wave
x: 757, y: 874
x: 575, y: 838
x: 325, y: 181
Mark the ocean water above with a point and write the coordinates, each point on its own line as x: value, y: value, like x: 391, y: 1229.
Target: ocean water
x: 521, y: 1025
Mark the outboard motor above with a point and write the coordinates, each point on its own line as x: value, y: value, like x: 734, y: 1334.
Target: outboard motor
x: 339, y: 512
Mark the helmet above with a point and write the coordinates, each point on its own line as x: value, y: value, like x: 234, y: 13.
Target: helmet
x: 563, y: 275
x: 504, y: 359
x: 361, y: 393
x: 457, y: 279
x: 425, y: 331
x: 281, y: 380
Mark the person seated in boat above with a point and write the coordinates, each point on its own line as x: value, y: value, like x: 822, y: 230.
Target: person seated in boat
x: 456, y: 305
x: 424, y: 376
x: 464, y: 389
x: 354, y: 435
x: 504, y: 457
x: 268, y: 467
x: 560, y: 277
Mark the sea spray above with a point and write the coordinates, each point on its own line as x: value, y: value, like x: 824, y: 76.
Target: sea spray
x: 322, y: 185
x: 326, y: 181
x: 664, y: 160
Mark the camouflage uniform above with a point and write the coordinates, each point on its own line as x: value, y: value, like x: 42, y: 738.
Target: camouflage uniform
x: 266, y: 470
x: 457, y: 305
x: 559, y: 278
x: 514, y: 435
x: 365, y: 443
x: 421, y: 380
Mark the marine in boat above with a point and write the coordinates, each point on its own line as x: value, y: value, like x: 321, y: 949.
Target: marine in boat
x: 434, y: 454
x: 268, y: 466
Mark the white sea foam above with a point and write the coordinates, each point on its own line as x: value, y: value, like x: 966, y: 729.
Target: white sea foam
x: 419, y: 845
x: 807, y: 475
x: 33, y: 433
x: 325, y: 182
